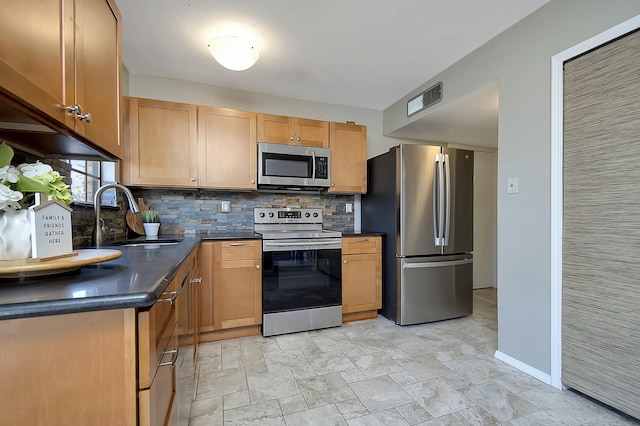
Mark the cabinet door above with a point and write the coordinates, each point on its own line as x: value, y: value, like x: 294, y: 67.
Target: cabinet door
x: 276, y: 129
x: 97, y: 59
x: 161, y: 139
x: 312, y: 133
x: 348, y: 158
x: 36, y: 43
x: 361, y: 282
x: 206, y: 287
x: 237, y: 293
x: 227, y: 149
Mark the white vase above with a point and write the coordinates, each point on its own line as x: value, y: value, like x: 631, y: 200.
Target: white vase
x: 151, y: 229
x: 15, y: 235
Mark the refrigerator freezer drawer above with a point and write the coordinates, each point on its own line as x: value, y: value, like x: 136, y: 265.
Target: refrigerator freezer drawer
x: 434, y: 289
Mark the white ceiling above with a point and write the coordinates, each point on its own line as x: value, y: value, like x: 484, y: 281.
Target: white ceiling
x: 364, y: 53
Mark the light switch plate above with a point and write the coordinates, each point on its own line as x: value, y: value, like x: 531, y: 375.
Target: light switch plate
x: 512, y: 185
x: 226, y: 206
x: 349, y: 208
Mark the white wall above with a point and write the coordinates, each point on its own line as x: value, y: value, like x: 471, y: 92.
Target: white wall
x: 520, y: 58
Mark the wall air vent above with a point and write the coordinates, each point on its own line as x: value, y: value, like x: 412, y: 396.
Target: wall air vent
x: 424, y: 100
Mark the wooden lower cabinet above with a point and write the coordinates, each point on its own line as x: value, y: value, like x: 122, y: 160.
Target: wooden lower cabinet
x: 73, y: 369
x: 112, y: 367
x: 361, y: 277
x: 231, y: 289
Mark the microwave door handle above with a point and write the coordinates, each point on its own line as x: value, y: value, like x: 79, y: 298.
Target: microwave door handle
x: 313, y: 166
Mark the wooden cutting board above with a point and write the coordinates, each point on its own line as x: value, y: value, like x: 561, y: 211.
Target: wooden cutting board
x: 142, y: 205
x: 134, y: 220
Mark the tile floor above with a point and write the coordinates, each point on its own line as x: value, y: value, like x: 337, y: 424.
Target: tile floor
x: 377, y: 373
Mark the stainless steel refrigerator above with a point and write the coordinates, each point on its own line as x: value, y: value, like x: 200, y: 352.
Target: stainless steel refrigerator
x: 421, y: 196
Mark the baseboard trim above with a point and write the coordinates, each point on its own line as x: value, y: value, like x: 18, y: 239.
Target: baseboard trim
x: 525, y: 368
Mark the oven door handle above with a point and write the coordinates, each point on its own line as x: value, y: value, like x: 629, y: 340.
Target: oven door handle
x: 308, y: 245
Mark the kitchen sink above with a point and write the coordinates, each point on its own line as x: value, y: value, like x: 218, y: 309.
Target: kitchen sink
x: 142, y: 243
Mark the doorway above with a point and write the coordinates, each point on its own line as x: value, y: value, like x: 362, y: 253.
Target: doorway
x: 484, y: 219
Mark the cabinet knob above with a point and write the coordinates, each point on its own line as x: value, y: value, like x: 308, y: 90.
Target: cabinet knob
x: 298, y: 138
x: 193, y: 179
x: 197, y: 280
x: 86, y: 117
x: 74, y: 108
x: 290, y: 138
x: 257, y: 266
x: 345, y: 261
x: 333, y: 184
x: 253, y: 181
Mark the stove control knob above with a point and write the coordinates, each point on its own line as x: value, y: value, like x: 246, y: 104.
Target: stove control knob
x: 262, y: 214
x: 307, y: 214
x: 270, y: 214
x: 315, y: 215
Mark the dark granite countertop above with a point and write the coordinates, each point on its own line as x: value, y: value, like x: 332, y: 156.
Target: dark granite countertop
x: 134, y: 280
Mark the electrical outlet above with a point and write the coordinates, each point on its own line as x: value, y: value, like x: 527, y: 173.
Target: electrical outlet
x: 349, y: 208
x: 226, y: 206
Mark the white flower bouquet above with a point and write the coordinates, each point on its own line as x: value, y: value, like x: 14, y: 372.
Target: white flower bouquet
x: 18, y: 184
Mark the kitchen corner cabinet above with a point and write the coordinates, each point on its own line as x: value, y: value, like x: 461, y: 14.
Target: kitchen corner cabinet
x: 110, y: 367
x: 56, y: 54
x: 293, y: 131
x: 361, y: 277
x: 160, y: 143
x: 231, y: 289
x: 227, y: 149
x: 348, y: 158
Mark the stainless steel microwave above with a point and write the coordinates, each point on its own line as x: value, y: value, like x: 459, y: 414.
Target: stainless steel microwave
x: 293, y: 166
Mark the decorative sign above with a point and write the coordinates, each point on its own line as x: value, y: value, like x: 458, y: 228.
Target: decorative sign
x: 51, y: 234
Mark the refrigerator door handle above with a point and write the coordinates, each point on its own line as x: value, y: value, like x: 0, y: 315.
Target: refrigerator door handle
x: 439, y: 214
x: 436, y: 235
x: 448, y: 200
x: 436, y: 264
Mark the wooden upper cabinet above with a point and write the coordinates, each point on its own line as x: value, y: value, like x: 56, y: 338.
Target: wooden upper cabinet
x: 161, y: 143
x: 32, y: 53
x: 59, y: 53
x: 227, y: 150
x: 293, y: 131
x: 98, y: 65
x: 348, y: 158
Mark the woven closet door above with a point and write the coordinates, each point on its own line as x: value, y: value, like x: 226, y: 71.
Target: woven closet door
x: 601, y: 229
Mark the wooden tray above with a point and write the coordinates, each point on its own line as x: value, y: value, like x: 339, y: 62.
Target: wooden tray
x: 25, y: 268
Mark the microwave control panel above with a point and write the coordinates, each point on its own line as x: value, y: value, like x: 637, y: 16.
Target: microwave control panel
x: 322, y: 168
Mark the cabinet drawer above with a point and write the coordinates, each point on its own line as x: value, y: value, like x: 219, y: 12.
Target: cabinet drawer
x: 237, y: 249
x: 156, y: 404
x: 154, y: 330
x: 353, y: 245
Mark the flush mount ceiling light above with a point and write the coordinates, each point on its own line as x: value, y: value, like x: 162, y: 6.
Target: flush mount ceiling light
x: 233, y: 52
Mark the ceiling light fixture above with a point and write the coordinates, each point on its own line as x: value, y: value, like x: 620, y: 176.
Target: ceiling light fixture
x: 233, y: 52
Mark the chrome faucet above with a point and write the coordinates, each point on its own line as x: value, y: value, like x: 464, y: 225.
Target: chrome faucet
x: 96, y: 208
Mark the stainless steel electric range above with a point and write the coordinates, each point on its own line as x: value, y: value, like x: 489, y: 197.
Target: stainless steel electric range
x: 301, y: 271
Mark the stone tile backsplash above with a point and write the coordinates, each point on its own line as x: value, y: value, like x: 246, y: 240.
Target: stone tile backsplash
x: 194, y: 212
x: 200, y: 211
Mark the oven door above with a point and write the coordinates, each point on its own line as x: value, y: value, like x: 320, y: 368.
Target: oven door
x: 299, y: 274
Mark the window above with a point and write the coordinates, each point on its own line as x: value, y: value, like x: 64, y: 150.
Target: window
x: 88, y: 176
